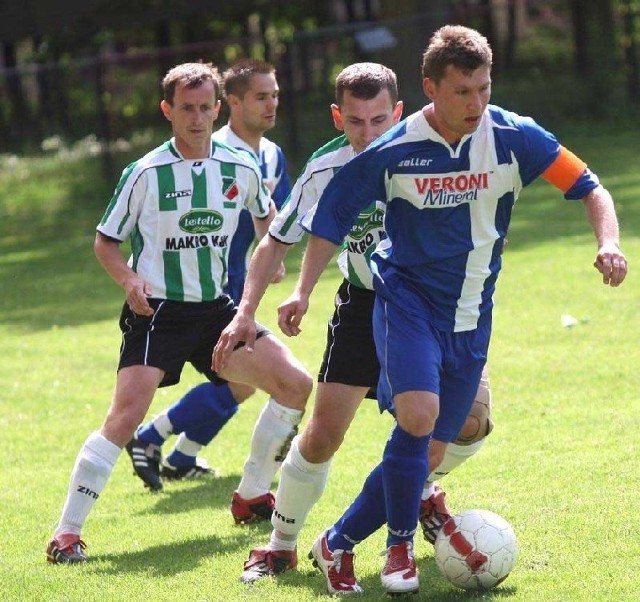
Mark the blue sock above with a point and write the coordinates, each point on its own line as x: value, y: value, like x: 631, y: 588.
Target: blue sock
x: 364, y: 517
x: 200, y: 414
x: 404, y: 470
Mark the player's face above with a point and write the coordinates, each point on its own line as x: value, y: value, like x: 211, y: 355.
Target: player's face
x: 363, y: 121
x: 257, y: 109
x: 192, y: 115
x: 459, y: 100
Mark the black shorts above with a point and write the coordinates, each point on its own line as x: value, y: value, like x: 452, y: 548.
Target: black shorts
x: 177, y: 332
x: 350, y: 355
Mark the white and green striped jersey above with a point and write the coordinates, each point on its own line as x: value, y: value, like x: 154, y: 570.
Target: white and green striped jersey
x: 367, y: 231
x: 180, y: 215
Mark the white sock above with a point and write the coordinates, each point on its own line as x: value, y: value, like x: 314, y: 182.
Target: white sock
x: 301, y: 485
x: 454, y: 457
x: 92, y: 469
x: 272, y: 434
x: 429, y: 488
x: 163, y: 425
x: 277, y: 542
x: 186, y: 446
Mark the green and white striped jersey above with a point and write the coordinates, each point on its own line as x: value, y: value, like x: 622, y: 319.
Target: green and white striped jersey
x: 366, y: 232
x: 180, y: 215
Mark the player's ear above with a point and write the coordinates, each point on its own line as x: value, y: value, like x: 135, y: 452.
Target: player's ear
x: 428, y: 87
x: 233, y: 100
x: 337, y: 117
x: 216, y: 110
x: 165, y: 107
x: 397, y: 111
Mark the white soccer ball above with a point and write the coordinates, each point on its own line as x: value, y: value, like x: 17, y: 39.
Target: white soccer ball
x: 476, y: 549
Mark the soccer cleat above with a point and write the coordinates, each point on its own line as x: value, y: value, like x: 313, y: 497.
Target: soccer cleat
x: 252, y: 510
x: 195, y: 471
x: 336, y: 566
x: 267, y: 563
x: 433, y: 514
x: 400, y: 575
x: 66, y: 548
x: 146, y: 459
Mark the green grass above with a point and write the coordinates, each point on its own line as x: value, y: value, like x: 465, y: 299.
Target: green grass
x: 561, y: 464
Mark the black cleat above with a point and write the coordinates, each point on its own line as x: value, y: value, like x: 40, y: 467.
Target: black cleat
x: 146, y: 459
x: 196, y: 471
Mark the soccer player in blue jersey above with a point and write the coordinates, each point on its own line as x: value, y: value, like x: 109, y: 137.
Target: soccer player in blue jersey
x: 251, y: 92
x: 450, y: 175
x: 366, y: 106
x: 179, y: 206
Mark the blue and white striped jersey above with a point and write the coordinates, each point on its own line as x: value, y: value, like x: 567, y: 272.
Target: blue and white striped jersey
x: 270, y: 160
x: 448, y: 208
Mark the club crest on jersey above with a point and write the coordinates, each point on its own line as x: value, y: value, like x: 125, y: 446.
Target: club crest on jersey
x: 230, y: 188
x: 451, y: 190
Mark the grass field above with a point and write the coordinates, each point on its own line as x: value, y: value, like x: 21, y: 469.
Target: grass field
x: 561, y: 464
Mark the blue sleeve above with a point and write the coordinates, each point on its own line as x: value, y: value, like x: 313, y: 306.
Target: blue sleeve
x: 538, y: 151
x: 283, y: 188
x: 585, y: 184
x: 347, y: 194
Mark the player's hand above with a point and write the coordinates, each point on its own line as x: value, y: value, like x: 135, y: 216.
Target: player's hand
x: 241, y: 328
x: 290, y: 314
x: 279, y: 275
x: 611, y: 263
x: 137, y: 293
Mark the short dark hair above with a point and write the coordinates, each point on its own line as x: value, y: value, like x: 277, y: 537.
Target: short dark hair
x: 366, y: 81
x: 462, y: 47
x: 191, y: 75
x: 236, y: 79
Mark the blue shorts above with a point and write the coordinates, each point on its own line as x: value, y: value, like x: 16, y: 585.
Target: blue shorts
x: 415, y: 356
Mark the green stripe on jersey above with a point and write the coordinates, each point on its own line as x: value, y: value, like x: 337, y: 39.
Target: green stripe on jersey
x: 173, y: 275
x: 123, y: 179
x: 137, y: 245
x: 206, y: 274
x: 166, y: 188
x: 293, y: 218
x: 199, y: 195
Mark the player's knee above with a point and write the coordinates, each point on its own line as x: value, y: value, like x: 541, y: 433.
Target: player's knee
x: 241, y: 392
x: 479, y: 422
x: 319, y: 444
x: 295, y: 389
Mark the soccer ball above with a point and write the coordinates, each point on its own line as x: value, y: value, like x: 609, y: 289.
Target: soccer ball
x: 476, y: 549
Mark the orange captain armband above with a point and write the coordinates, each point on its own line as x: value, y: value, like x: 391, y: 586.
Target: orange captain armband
x: 565, y: 170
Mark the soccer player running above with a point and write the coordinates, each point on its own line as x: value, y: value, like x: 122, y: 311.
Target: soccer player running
x: 176, y: 206
x: 366, y: 106
x: 450, y: 175
x: 251, y: 91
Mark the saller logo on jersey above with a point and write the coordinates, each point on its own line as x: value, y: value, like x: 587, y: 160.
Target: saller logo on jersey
x: 199, y: 221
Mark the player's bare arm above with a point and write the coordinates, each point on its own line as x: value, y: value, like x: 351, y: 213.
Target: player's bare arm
x: 317, y: 255
x: 113, y: 261
x: 264, y: 263
x: 610, y: 260
x: 261, y: 226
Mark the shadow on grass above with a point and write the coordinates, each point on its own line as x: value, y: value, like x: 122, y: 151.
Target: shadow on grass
x: 179, y: 557
x: 182, y: 497
x: 163, y: 560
